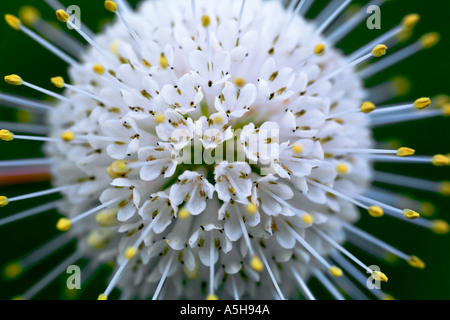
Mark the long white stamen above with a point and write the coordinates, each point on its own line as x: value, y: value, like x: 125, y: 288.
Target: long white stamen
x: 211, y: 263
x: 19, y: 102
x: 409, y: 182
x: 61, y: 268
x: 407, y: 117
x: 338, y: 194
x: 47, y: 92
x: 346, y: 67
x: 87, y: 93
x: 244, y: 230
x: 25, y: 127
x: 46, y: 250
x: 235, y: 292
x: 361, y: 151
x: 93, y: 210
x: 30, y: 212
x: 269, y: 270
x: 327, y: 284
x: 333, y: 16
x: 40, y: 193
x: 303, y: 287
x: 241, y: 13
x: 163, y: 277
x: 57, y: 52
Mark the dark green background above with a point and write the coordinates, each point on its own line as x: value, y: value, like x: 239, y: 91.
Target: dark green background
x: 428, y: 71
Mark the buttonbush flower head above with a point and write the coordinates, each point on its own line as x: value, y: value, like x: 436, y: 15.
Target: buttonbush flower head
x: 219, y: 149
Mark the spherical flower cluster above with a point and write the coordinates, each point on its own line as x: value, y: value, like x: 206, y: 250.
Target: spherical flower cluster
x: 218, y: 149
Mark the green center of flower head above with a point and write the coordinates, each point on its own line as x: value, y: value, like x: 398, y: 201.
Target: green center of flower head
x: 222, y: 148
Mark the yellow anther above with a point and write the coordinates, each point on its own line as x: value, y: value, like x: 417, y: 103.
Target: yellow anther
x: 441, y: 100
x: 14, y: 79
x: 6, y: 135
x: 427, y: 209
x: 410, y: 21
x: 405, y: 152
x: 367, y: 107
x: 410, y: 214
x: 335, y: 271
x: 251, y: 208
x: 239, y: 81
x: 163, y: 61
x: 3, y: 201
x: 297, y: 148
x: 99, y: 69
x: 388, y: 297
x: 107, y: 217
x: 160, y: 118
x: 319, y: 49
x: 102, y: 297
x: 58, y: 82
x: 62, y: 16
x: 99, y: 238
x: 68, y: 136
x: 307, y: 219
x: 440, y: 160
x: 422, y: 103
x: 111, y: 6
x: 430, y: 39
x: 206, y: 21
x: 446, y: 109
x: 401, y: 85
x: 63, y: 224
x: 130, y: 253
x: 118, y: 169
x: 212, y: 296
x: 440, y: 227
x: 183, y: 214
x: 416, y: 262
x: 376, y: 211
x: 342, y: 168
x: 218, y: 119
x: 13, y: 21
x: 13, y: 270
x: 379, y: 50
x: 444, y: 188
x: 29, y: 15
x: 380, y: 276
x: 257, y: 264
x: 17, y: 298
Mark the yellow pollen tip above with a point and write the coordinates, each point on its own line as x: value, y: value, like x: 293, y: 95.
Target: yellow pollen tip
x: 111, y: 6
x: 107, y: 217
x: 13, y: 21
x: 63, y: 224
x: 444, y: 188
x: 342, y: 168
x: 118, y: 169
x: 251, y: 208
x: 422, y: 103
x: 446, y: 109
x: 440, y: 227
x: 68, y: 136
x: 410, y: 214
x: 416, y: 262
x: 239, y: 81
x: 367, y: 107
x: 6, y: 135
x: 401, y: 86
x: 163, y: 61
x: 14, y: 80
x: 388, y: 297
x: 29, y: 15
x: 159, y: 118
x: 102, y: 297
x: 130, y: 253
x: 440, y: 160
x: 307, y: 219
x: 257, y: 264
x: 376, y: 211
x: 58, y: 82
x: 13, y: 270
x: 62, y: 16
x: 335, y: 271
x: 212, y: 296
x: 410, y: 21
x: 3, y: 201
x: 427, y: 209
x: 17, y: 298
x: 99, y: 69
x: 379, y: 50
x: 319, y: 49
x: 380, y: 276
x: 430, y: 40
x: 218, y: 119
x: 297, y: 148
x: 405, y: 152
x: 183, y: 214
x: 206, y: 21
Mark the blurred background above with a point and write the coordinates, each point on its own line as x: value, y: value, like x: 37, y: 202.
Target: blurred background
x: 426, y: 71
